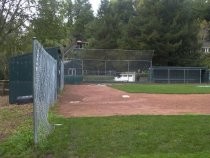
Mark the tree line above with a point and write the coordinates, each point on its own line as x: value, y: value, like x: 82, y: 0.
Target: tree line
x: 173, y: 28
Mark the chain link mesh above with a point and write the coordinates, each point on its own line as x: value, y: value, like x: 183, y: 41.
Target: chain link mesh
x: 179, y: 75
x: 111, y: 54
x: 62, y: 75
x: 107, y: 70
x: 108, y: 65
x: 45, y: 89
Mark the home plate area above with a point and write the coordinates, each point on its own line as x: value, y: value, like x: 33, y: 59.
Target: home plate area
x: 102, y: 100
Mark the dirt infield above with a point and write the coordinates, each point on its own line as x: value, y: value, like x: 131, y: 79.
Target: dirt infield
x: 101, y: 100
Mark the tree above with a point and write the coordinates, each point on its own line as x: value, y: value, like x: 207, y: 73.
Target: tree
x: 167, y: 27
x: 103, y: 9
x: 205, y: 60
x: 68, y: 12
x: 48, y: 26
x: 66, y: 16
x: 83, y: 15
x: 104, y: 27
x: 110, y: 24
x: 201, y: 9
x: 124, y: 10
x: 14, y: 15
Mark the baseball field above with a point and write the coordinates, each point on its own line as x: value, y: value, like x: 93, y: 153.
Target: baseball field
x: 101, y: 121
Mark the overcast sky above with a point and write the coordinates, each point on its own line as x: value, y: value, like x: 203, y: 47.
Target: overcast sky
x: 95, y: 5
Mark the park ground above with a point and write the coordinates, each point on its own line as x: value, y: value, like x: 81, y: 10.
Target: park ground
x: 156, y: 135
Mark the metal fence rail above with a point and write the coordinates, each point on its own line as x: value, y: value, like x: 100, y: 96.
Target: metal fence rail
x: 44, y: 89
x: 110, y: 54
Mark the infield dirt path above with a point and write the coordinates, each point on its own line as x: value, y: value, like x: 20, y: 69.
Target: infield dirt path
x: 101, y: 100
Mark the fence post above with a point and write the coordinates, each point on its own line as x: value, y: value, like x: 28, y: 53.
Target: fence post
x: 168, y: 75
x: 128, y: 69
x: 82, y: 68
x: 150, y: 75
x: 184, y: 77
x: 128, y: 66
x: 105, y: 66
x: 200, y: 76
x: 34, y: 106
x: 151, y: 71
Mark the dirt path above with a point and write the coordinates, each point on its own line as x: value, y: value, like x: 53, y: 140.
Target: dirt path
x: 100, y: 100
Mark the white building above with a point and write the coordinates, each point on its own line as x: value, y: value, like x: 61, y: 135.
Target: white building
x: 206, y: 47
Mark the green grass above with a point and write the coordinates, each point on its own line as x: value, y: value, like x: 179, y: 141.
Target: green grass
x: 15, y: 130
x: 163, y: 88
x: 116, y: 137
x: 97, y: 78
x: 11, y: 117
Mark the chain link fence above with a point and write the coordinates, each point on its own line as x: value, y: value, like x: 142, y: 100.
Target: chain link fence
x: 103, y: 65
x: 116, y: 65
x: 108, y: 70
x: 179, y: 74
x: 44, y: 89
x: 110, y: 54
x: 62, y: 76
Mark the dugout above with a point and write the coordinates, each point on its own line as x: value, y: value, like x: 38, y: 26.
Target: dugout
x: 161, y: 74
x: 21, y: 74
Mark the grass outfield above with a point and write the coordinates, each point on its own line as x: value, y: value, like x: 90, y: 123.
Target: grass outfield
x: 164, y: 88
x: 116, y: 137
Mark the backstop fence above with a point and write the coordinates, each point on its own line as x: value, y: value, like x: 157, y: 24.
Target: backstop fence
x: 103, y: 65
x: 44, y: 89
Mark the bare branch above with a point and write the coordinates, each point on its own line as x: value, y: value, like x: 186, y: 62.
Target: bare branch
x: 13, y: 15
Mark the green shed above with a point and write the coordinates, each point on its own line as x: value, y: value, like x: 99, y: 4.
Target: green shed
x: 21, y: 74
